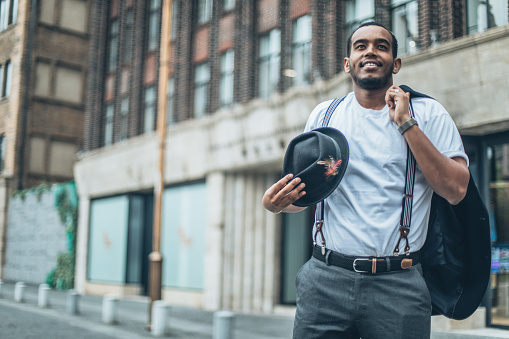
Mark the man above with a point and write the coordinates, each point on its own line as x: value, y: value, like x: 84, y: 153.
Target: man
x: 362, y: 216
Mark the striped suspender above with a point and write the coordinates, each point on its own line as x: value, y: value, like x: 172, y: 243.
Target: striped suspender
x: 320, y: 206
x: 407, y: 202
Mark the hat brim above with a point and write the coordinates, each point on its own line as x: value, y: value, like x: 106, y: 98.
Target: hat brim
x: 314, y: 195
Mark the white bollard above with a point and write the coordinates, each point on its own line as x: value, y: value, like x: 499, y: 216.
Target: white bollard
x: 72, y: 302
x: 1, y: 285
x: 43, y: 300
x: 110, y: 309
x: 160, y: 315
x: 19, y: 292
x: 223, y: 325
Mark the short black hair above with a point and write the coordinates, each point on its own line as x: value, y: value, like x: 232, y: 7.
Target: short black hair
x: 373, y: 23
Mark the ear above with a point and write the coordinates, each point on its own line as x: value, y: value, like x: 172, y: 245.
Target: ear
x: 397, y: 66
x: 346, y: 65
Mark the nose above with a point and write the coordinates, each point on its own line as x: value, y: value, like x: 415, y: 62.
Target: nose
x: 370, y: 50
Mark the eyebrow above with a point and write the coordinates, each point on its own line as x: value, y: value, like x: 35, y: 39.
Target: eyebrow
x: 358, y: 41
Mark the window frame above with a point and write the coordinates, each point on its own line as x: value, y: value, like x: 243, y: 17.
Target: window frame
x: 404, y: 45
x: 227, y: 77
x: 270, y: 60
x: 109, y: 116
x: 204, y: 11
x: 154, y: 23
x: 302, y: 48
x: 150, y: 107
x: 201, y: 86
x: 124, y: 118
x: 2, y: 152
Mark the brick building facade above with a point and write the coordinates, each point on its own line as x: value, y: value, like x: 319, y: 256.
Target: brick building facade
x: 244, y: 76
x: 43, y: 67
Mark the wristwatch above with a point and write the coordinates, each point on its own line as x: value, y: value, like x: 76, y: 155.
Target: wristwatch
x: 406, y: 125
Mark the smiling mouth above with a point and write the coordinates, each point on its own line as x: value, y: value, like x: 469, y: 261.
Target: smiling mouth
x: 371, y: 64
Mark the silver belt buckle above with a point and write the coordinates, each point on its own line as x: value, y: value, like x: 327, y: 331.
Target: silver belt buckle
x: 355, y: 263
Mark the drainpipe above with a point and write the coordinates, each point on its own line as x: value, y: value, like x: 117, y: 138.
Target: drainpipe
x: 155, y: 257
x: 24, y: 111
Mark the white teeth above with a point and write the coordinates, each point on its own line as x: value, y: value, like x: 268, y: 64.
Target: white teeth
x: 369, y: 64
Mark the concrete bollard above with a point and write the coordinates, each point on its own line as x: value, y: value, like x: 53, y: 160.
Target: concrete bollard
x: 110, y: 309
x: 160, y: 318
x: 43, y: 300
x: 223, y: 325
x: 1, y: 285
x: 19, y: 292
x: 72, y: 302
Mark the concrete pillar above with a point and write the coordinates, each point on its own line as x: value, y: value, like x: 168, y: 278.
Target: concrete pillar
x: 43, y: 300
x: 110, y: 309
x: 160, y: 318
x: 19, y: 292
x: 72, y: 302
x: 223, y: 325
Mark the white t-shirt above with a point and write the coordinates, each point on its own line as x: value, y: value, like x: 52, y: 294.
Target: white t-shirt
x: 362, y: 215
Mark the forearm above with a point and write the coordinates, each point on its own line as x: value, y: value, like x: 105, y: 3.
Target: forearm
x: 447, y: 177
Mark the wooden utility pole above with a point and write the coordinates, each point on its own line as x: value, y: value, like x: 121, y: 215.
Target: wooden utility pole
x: 155, y: 257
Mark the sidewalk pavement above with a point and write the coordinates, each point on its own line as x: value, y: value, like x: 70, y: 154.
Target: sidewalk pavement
x: 185, y: 323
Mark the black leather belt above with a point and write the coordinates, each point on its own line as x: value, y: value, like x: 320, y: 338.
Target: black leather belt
x: 371, y: 265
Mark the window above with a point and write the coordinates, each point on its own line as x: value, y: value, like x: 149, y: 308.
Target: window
x: 357, y: 12
x: 74, y: 15
x: 2, y: 152
x: 201, y: 85
x: 128, y: 39
x: 47, y: 11
x: 270, y: 48
x: 183, y: 239
x: 150, y: 109
x: 226, y: 85
x: 61, y: 158
x: 108, y: 124
x: 68, y: 84
x: 7, y: 80
x: 204, y: 11
x: 405, y: 25
x: 174, y: 18
x: 484, y: 14
x: 42, y: 79
x: 153, y: 28
x: 8, y: 13
x: 124, y: 113
x: 228, y: 5
x: 112, y: 62
x: 301, y: 50
x: 170, y: 101
x: 1, y: 80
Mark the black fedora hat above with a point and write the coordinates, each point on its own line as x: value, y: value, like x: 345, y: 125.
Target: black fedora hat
x: 319, y: 157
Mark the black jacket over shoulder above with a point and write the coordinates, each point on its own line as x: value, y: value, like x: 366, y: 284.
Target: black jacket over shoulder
x: 456, y: 257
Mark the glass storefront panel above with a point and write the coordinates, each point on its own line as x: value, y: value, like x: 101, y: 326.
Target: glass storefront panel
x: 498, y: 166
x: 296, y: 250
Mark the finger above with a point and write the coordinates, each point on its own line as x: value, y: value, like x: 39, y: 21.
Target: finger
x: 289, y: 187
x: 296, y: 194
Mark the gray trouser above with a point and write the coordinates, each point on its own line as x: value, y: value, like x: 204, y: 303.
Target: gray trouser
x: 334, y: 302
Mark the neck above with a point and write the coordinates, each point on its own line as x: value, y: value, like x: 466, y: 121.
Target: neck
x: 371, y: 98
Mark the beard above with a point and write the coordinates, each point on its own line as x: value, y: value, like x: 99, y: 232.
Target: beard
x: 372, y: 83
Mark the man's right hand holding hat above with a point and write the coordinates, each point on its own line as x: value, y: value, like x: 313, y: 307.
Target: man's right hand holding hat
x: 283, y: 194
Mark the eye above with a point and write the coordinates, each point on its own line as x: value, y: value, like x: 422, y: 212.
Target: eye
x: 360, y: 47
x: 383, y: 47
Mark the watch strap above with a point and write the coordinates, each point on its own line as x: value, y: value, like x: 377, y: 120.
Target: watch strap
x: 406, y: 125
